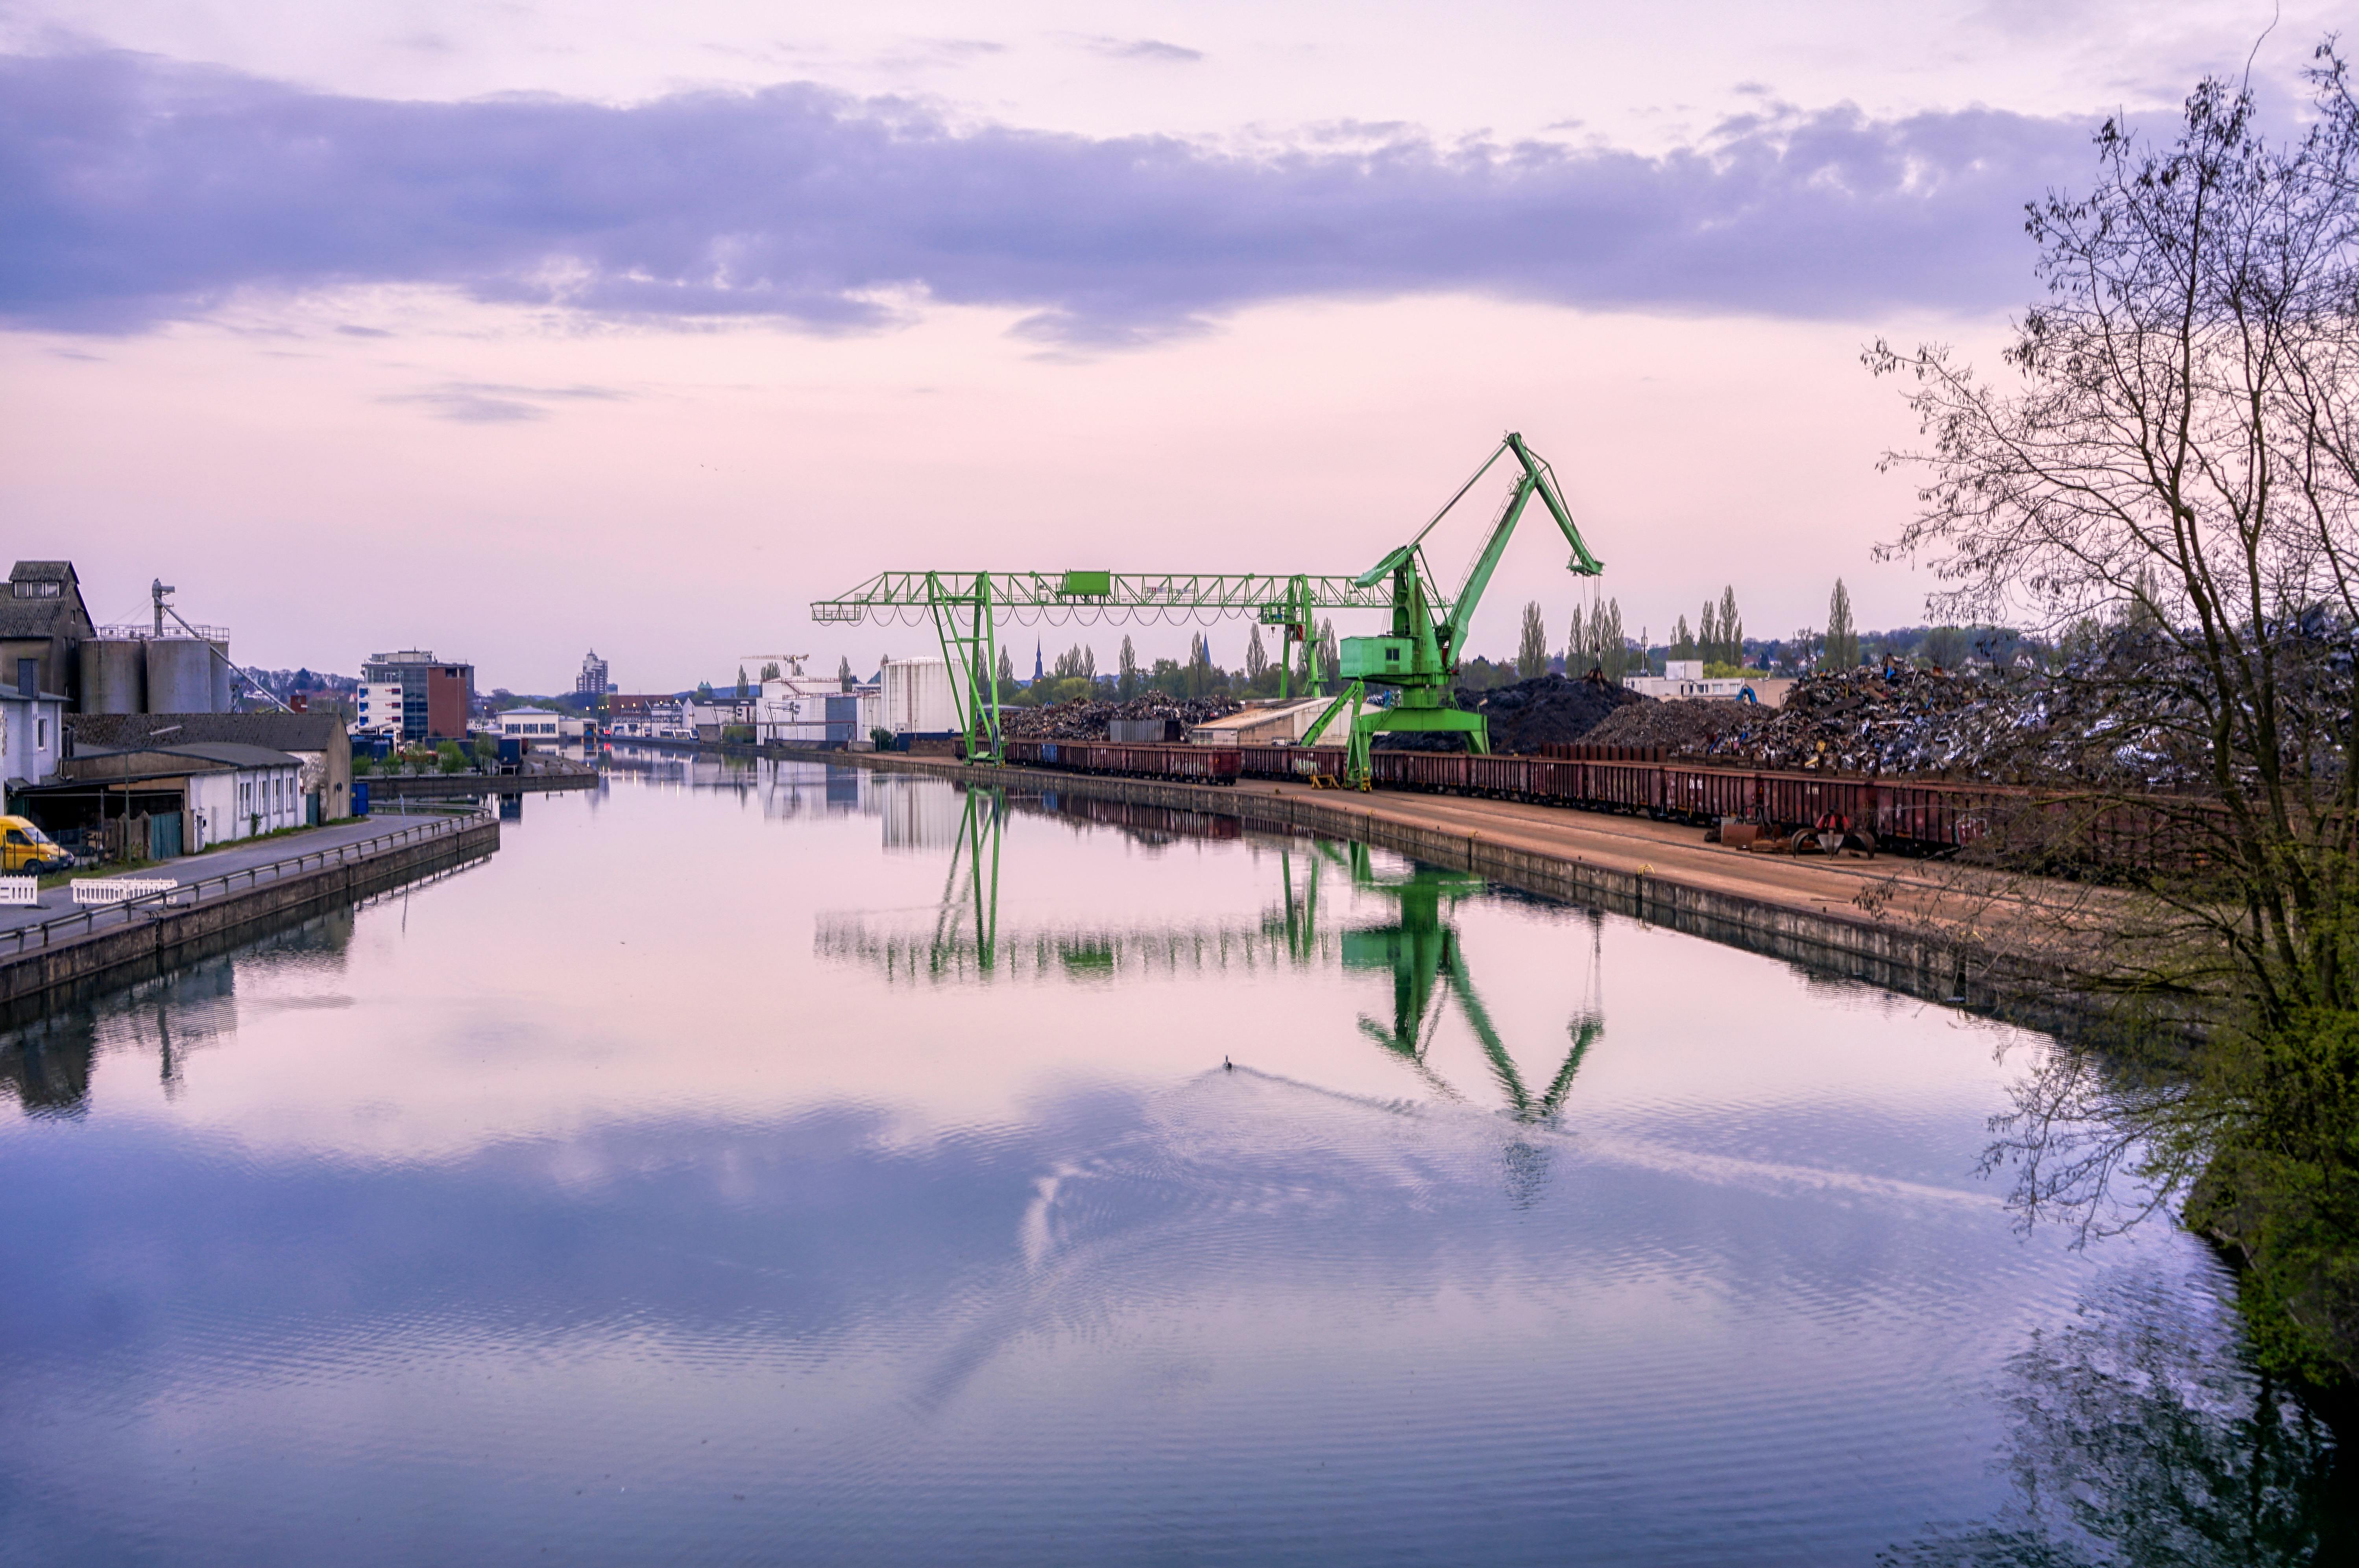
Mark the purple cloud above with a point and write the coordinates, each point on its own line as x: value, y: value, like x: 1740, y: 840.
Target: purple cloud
x: 134, y: 190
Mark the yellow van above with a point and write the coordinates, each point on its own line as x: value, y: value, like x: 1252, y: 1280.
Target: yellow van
x: 25, y: 849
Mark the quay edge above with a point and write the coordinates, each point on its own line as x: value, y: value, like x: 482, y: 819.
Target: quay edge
x: 1838, y: 943
x: 46, y: 977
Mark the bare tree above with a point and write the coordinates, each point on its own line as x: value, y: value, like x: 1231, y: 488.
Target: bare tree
x: 2179, y: 456
x: 2168, y: 484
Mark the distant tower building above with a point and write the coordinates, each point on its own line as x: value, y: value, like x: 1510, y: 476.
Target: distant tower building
x: 1037, y: 671
x: 592, y: 681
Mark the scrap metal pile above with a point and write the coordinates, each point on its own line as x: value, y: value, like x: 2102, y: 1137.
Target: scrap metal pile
x: 1087, y: 721
x: 1528, y: 715
x: 2094, y: 722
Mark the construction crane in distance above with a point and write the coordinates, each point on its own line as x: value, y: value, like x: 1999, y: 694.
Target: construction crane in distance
x: 1417, y: 660
x: 965, y: 606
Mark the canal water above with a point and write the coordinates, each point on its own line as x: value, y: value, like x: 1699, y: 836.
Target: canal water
x: 785, y: 1165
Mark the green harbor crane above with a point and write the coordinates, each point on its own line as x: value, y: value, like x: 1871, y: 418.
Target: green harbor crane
x: 1417, y: 661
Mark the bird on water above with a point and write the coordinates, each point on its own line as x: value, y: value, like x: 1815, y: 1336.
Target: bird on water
x: 1227, y: 1066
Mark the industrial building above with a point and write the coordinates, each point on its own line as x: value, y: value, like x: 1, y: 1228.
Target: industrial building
x: 437, y: 696
x: 318, y: 741
x: 32, y: 736
x: 531, y: 725
x: 171, y: 796
x: 1256, y: 724
x: 1685, y: 678
x: 43, y: 623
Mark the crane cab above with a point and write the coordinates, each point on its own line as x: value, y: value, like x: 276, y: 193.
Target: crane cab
x: 1386, y: 660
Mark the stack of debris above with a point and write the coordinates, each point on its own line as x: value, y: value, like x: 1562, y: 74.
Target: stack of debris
x: 1688, y: 726
x: 1863, y: 721
x: 1546, y: 710
x: 1088, y: 720
x: 2012, y: 726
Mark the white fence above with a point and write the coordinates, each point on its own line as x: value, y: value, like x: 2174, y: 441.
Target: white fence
x: 122, y: 889
x: 20, y: 890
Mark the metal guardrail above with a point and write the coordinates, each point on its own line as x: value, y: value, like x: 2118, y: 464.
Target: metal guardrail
x: 90, y: 917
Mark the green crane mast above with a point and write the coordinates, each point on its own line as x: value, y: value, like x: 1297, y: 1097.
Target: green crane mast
x: 965, y: 608
x: 1417, y: 661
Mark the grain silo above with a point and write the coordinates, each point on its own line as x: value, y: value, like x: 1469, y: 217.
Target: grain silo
x: 180, y: 675
x: 222, y: 696
x: 113, y: 675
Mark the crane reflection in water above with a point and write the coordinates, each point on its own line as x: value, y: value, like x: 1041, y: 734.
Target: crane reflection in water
x: 1418, y: 946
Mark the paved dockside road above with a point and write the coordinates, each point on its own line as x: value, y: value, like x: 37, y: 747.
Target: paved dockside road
x: 258, y: 856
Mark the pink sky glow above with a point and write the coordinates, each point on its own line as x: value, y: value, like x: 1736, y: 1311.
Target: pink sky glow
x: 639, y: 329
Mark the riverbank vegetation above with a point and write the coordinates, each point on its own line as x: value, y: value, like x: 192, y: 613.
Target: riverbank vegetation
x: 2166, y: 479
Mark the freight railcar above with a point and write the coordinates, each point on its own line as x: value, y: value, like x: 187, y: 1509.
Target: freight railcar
x: 1195, y: 764
x: 1924, y: 816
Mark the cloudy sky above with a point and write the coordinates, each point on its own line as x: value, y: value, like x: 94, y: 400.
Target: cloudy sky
x: 513, y: 329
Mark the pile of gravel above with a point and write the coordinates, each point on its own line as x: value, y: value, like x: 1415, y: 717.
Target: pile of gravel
x: 1688, y: 726
x: 1546, y: 710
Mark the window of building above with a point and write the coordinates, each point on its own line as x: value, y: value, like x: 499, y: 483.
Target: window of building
x: 40, y: 734
x: 34, y: 590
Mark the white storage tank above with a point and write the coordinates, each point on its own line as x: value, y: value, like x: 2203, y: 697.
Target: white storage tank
x: 114, y: 675
x: 917, y: 700
x: 222, y: 696
x: 180, y: 675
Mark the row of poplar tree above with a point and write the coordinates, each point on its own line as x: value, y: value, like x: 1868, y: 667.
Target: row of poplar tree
x: 1594, y: 641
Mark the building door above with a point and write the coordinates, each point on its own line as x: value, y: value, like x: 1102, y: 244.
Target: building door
x: 164, y: 836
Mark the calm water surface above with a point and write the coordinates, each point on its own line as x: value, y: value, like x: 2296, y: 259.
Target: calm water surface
x: 823, y: 1167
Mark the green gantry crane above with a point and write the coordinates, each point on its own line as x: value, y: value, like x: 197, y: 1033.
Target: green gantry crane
x: 965, y: 608
x: 1419, y: 659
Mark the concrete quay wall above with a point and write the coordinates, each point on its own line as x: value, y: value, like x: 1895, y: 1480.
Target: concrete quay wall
x: 1838, y: 943
x: 166, y: 938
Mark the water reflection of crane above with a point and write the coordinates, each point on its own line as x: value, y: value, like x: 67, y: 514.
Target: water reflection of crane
x: 1429, y: 968
x: 1419, y: 947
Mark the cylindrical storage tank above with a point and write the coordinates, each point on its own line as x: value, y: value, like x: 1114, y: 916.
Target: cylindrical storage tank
x: 221, y: 687
x: 180, y: 675
x: 114, y: 676
x: 918, y: 697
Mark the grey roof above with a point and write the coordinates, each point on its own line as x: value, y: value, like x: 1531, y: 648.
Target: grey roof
x: 61, y: 615
x: 224, y: 753
x: 285, y: 732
